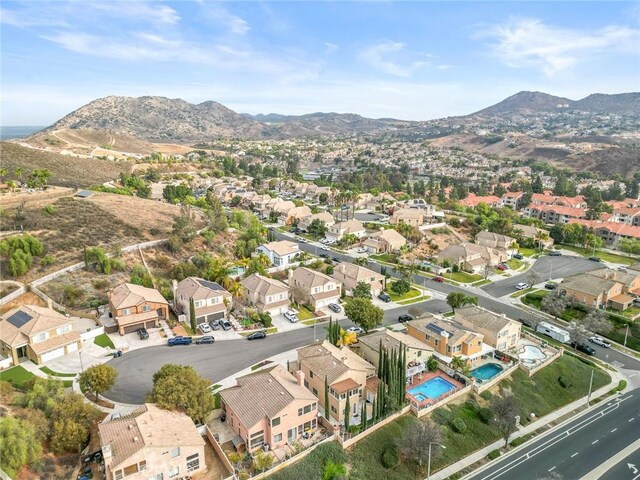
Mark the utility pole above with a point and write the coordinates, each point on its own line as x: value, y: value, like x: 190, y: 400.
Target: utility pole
x: 590, y: 386
x: 429, y: 460
x: 626, y: 334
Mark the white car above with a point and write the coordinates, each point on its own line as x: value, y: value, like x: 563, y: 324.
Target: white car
x: 522, y: 286
x: 204, y: 328
x: 324, y: 249
x: 600, y: 341
x: 357, y: 330
x: 362, y: 250
x: 291, y: 316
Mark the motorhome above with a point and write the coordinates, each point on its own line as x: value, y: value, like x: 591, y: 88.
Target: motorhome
x: 554, y: 332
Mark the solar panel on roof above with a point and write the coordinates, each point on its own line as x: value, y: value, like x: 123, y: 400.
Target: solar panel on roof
x: 210, y: 285
x: 435, y: 328
x: 19, y: 318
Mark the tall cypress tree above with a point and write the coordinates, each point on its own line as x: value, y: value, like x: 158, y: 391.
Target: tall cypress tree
x: 192, y: 314
x: 347, y: 413
x: 327, y: 406
x: 363, y: 417
x: 380, y: 359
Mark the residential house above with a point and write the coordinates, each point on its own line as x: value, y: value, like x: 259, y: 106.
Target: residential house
x: 266, y: 295
x: 596, y: 291
x: 473, y: 200
x: 471, y: 257
x: 296, y: 214
x: 346, y: 374
x: 368, y: 347
x: 269, y: 407
x: 547, y: 199
x: 410, y: 216
x: 325, y: 217
x: 500, y: 332
x: 553, y: 214
x: 151, y: 443
x: 496, y: 241
x: 134, y: 307
x: 611, y: 232
x: 448, y: 340
x: 512, y: 200
x: 313, y: 288
x: 36, y: 333
x: 535, y: 233
x: 210, y: 300
x: 385, y: 240
x: 350, y: 274
x: 627, y: 215
x: 340, y: 229
x: 278, y: 207
x: 280, y: 253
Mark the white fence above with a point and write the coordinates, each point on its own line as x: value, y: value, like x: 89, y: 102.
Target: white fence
x: 6, y: 363
x: 13, y: 295
x: 91, y: 334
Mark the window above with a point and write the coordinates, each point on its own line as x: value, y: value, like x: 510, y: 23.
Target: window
x: 333, y: 409
x: 419, y: 353
x: 175, y: 452
x: 63, y: 329
x: 146, y: 308
x: 126, y: 311
x: 315, y: 391
x: 277, y: 438
x: 156, y: 477
x: 40, y: 337
x: 310, y: 373
x: 275, y: 422
x: 193, y: 462
x: 142, y: 465
x: 306, y: 384
x: 256, y: 440
x: 118, y: 475
x: 197, y: 304
x: 131, y: 469
x: 174, y: 472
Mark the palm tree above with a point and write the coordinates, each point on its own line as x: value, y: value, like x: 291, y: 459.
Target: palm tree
x: 458, y: 363
x: 540, y: 238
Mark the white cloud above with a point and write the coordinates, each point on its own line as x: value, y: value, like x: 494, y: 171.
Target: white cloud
x: 528, y: 42
x: 386, y: 57
x: 329, y: 48
x: 232, y: 22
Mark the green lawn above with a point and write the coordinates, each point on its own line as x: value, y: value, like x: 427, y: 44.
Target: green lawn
x: 48, y: 371
x: 606, y: 256
x: 385, y: 257
x: 514, y: 263
x: 464, y: 277
x: 17, y: 376
x: 414, y: 292
x: 104, y: 341
x: 481, y: 282
x: 534, y: 298
x: 305, y: 314
x: 311, y: 467
x: 421, y: 298
x: 527, y: 252
x: 629, y: 312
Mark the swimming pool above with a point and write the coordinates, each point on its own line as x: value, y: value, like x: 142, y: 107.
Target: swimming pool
x: 431, y: 389
x: 531, y: 353
x: 486, y: 371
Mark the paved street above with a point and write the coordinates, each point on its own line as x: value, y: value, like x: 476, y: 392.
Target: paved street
x: 546, y: 267
x: 627, y: 469
x: 575, y: 450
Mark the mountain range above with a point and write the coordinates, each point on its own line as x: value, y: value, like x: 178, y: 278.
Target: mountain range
x: 161, y: 119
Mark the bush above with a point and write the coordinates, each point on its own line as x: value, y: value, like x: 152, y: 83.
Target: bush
x: 443, y: 416
x: 432, y: 364
x: 564, y: 382
x: 329, y: 270
x: 400, y: 287
x: 486, y: 395
x: 493, y: 454
x: 516, y: 442
x: 49, y: 209
x: 484, y: 414
x: 47, y: 260
x: 265, y: 318
x: 458, y: 425
x: 390, y: 458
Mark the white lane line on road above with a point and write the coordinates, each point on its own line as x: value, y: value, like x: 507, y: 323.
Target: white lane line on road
x: 552, y: 468
x: 594, y: 442
x: 614, y: 430
x: 632, y: 419
x: 574, y: 454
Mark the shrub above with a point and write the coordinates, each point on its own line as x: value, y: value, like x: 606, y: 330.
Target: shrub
x: 401, y: 287
x: 486, y: 395
x: 47, y: 260
x: 49, y: 209
x: 484, y: 414
x: 517, y: 441
x: 443, y: 416
x: 432, y: 364
x: 390, y: 458
x: 493, y: 454
x: 564, y: 382
x: 100, y: 284
x: 458, y: 425
x: 174, y: 244
x: 329, y: 270
x: 265, y: 318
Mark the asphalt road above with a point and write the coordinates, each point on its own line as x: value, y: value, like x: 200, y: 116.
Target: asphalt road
x: 577, y: 448
x: 626, y: 469
x: 547, y: 268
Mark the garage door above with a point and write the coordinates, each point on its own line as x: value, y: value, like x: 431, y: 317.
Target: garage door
x: 72, y: 347
x: 58, y: 352
x: 215, y: 316
x: 150, y: 325
x: 132, y: 328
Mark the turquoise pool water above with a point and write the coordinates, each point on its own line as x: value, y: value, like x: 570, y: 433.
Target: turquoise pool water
x: 486, y: 371
x: 433, y: 388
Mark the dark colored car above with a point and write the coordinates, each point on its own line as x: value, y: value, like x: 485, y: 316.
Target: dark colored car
x: 335, y: 307
x: 179, y: 341
x: 257, y: 335
x: 324, y: 255
x: 384, y: 297
x: 550, y: 286
x: 584, y: 348
x: 526, y: 321
x: 405, y: 318
x: 143, y: 334
x: 518, y: 256
x: 595, y: 259
x: 336, y: 259
x: 225, y: 324
x: 438, y: 279
x: 214, y: 324
x: 555, y: 253
x: 204, y: 340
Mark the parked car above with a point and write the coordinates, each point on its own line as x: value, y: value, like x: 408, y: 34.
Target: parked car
x: 526, y: 321
x: 323, y: 249
x: 517, y: 256
x: 179, y: 341
x: 257, y: 335
x: 323, y: 255
x: 362, y: 250
x: 502, y: 268
x: 550, y: 286
x: 225, y: 324
x: 204, y: 328
x: 384, y: 297
x: 522, y: 286
x: 204, y: 340
x: 438, y: 279
x: 291, y: 315
x: 595, y: 259
x: 584, y: 348
x: 335, y: 307
x: 143, y: 334
x: 555, y: 253
x: 600, y: 341
x: 357, y: 330
x: 336, y: 259
x: 214, y: 324
x: 405, y: 318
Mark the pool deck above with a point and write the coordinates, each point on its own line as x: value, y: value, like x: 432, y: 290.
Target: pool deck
x: 424, y: 377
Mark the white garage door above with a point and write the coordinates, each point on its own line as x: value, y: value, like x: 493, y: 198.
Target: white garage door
x: 72, y: 347
x: 58, y: 352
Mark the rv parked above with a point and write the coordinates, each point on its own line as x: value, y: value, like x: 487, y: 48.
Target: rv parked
x: 554, y: 332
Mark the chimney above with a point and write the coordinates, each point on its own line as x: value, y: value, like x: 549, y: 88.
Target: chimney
x: 300, y: 377
x: 106, y: 453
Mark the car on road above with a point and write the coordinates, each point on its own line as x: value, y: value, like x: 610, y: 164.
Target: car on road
x: 205, y: 328
x: 550, y: 286
x: 205, y: 340
x: 357, y: 330
x: 214, y: 324
x: 323, y: 249
x: 323, y: 255
x: 142, y: 333
x: 384, y: 297
x: 335, y: 307
x: 584, y: 348
x: 438, y: 279
x: 595, y: 259
x: 555, y: 253
x: 303, y: 240
x: 291, y: 315
x: 179, y: 341
x: 257, y: 335
x: 517, y: 256
x: 336, y: 259
x: 600, y: 341
x: 225, y: 324
x: 522, y: 286
x: 296, y: 230
x: 405, y: 318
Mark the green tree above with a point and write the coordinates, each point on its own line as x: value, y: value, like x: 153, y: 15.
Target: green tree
x: 98, y: 378
x: 362, y: 290
x: 19, y: 445
x: 333, y: 470
x: 401, y: 286
x: 459, y: 300
x: 44, y: 395
x: 262, y: 461
x: 178, y: 387
x: 363, y: 313
x: 216, y: 214
x: 71, y: 422
x: 323, y: 198
x: 192, y: 315
x: 184, y: 225
x: 317, y: 227
x: 347, y: 414
x: 326, y: 399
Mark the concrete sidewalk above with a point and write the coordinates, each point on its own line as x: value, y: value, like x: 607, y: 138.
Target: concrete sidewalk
x: 532, y: 427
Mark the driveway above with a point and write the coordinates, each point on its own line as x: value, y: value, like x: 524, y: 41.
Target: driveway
x: 285, y: 325
x: 548, y: 268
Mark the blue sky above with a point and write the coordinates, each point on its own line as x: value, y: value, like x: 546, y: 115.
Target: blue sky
x: 409, y: 60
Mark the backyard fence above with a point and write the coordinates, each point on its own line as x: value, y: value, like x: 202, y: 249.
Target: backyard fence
x: 91, y: 334
x: 446, y: 398
x: 218, y: 449
x: 291, y: 460
x: 13, y: 295
x: 346, y: 440
x: 486, y: 385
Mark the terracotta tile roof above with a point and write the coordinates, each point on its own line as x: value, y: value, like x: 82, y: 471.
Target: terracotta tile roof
x: 331, y: 361
x: 559, y: 210
x: 372, y: 383
x: 200, y: 289
x: 263, y: 286
x: 392, y: 340
x: 36, y: 320
x: 282, y: 247
x: 355, y: 272
x: 55, y: 342
x: 124, y: 320
x: 345, y: 385
x: 129, y: 295
x: 618, y: 228
x: 474, y: 200
x: 308, y: 278
x: 622, y: 298
x: 477, y: 317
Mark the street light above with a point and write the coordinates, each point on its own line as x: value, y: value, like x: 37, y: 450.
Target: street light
x: 81, y: 366
x: 626, y: 334
x: 429, y: 460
